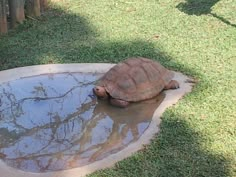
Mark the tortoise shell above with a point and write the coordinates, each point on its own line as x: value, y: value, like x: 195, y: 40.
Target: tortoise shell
x: 136, y: 79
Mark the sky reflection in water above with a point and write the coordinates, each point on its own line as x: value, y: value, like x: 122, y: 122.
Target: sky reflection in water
x: 53, y: 122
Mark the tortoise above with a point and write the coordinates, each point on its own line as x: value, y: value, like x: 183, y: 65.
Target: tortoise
x: 133, y: 80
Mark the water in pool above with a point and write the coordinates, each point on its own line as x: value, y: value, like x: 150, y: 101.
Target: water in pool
x: 54, y: 122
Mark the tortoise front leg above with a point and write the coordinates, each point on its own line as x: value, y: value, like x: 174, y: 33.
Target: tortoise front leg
x: 119, y: 103
x: 173, y: 84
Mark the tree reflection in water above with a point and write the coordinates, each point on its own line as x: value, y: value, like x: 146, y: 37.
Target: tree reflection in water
x: 53, y: 122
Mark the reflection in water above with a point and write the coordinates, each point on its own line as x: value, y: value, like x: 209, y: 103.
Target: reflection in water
x: 53, y: 122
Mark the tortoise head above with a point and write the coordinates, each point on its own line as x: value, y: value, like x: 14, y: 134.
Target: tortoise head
x: 100, y: 92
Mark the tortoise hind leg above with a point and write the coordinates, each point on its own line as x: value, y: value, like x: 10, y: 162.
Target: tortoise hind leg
x: 119, y: 103
x: 173, y: 84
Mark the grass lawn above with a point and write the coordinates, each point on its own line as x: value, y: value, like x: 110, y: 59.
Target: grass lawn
x: 196, y: 37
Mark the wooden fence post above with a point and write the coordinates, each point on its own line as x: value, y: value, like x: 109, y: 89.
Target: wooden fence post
x: 3, y: 17
x: 17, y: 13
x: 33, y: 8
x: 43, y: 5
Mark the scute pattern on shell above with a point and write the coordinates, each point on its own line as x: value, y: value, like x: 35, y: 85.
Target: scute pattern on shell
x: 136, y: 79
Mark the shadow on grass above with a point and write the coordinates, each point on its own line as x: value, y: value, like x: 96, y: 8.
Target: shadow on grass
x: 69, y: 38
x: 60, y: 37
x: 201, y: 7
x: 66, y: 38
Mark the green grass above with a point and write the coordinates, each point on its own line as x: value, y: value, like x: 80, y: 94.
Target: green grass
x: 198, y: 38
